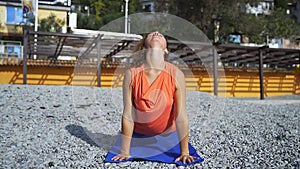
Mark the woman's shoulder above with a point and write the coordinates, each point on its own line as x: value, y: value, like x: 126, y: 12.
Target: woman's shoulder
x: 172, y: 68
x: 170, y: 65
x: 134, y: 70
x: 175, y: 70
x: 136, y: 67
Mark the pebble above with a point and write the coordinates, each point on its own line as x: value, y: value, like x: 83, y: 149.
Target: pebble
x: 74, y: 127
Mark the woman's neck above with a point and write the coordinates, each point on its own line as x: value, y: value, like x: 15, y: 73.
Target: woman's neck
x: 154, y: 59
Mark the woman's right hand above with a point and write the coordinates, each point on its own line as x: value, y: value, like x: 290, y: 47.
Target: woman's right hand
x: 121, y: 157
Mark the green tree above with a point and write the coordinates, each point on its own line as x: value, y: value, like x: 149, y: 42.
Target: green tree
x: 282, y: 3
x: 51, y: 24
x: 203, y: 14
x: 103, y: 12
x: 112, y: 11
x: 88, y: 22
x: 280, y: 25
x: 232, y: 18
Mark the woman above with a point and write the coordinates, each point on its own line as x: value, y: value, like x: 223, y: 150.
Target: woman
x: 154, y: 105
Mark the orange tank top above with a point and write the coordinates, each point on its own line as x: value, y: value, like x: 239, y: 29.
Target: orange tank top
x: 154, y: 104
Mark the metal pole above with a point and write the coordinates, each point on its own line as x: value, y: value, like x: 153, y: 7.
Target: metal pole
x: 25, y: 46
x: 36, y: 15
x: 128, y: 25
x: 215, y: 71
x: 36, y: 27
x: 99, y: 60
x: 126, y: 15
x: 261, y: 75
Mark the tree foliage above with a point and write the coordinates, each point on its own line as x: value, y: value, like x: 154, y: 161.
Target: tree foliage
x: 280, y: 25
x: 230, y: 15
x: 102, y: 12
x: 282, y: 3
x: 232, y: 18
x: 51, y: 24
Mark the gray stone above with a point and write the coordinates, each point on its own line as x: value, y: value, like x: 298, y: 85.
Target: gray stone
x: 75, y: 127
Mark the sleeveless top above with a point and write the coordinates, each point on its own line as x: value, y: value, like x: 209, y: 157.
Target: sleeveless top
x: 153, y: 105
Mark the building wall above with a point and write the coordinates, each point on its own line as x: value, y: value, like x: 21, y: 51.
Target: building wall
x: 232, y: 84
x: 43, y: 12
x: 11, y: 35
x: 2, y: 17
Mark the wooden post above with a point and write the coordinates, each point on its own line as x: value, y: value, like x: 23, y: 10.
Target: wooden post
x: 99, y: 60
x: 261, y: 75
x: 25, y: 49
x: 215, y: 70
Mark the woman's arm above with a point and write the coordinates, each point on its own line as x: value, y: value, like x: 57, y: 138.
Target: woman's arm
x: 127, y: 118
x: 182, y: 123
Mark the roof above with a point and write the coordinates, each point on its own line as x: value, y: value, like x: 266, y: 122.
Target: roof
x: 118, y: 46
x: 250, y: 55
x: 51, y: 45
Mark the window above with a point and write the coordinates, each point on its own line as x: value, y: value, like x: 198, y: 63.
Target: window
x: 14, y: 15
x: 11, y: 49
x: 55, y: 2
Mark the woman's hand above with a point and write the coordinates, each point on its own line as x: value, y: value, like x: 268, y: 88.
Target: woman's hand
x: 185, y: 158
x: 121, y: 157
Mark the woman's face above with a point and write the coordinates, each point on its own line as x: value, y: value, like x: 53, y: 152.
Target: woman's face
x: 156, y: 40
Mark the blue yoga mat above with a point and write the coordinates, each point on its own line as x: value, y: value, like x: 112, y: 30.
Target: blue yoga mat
x: 160, y: 148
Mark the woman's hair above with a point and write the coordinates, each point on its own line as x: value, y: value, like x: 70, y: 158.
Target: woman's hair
x: 141, y: 44
x: 138, y: 51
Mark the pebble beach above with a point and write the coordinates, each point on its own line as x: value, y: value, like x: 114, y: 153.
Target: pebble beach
x: 75, y: 126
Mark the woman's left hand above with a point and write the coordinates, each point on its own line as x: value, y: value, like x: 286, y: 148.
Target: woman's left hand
x: 186, y: 158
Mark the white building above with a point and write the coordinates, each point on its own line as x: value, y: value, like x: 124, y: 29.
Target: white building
x: 262, y: 8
